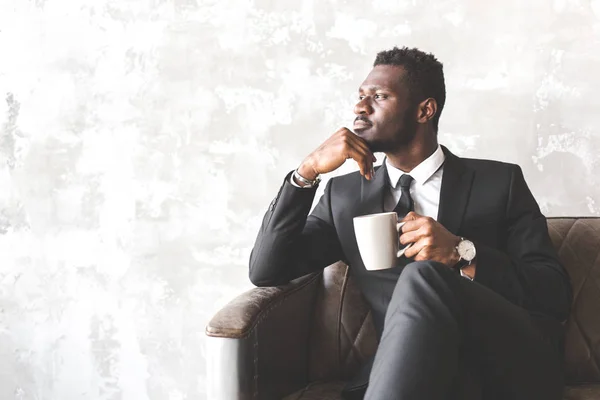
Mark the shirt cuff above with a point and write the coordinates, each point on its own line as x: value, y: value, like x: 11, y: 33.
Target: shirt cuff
x: 462, y: 273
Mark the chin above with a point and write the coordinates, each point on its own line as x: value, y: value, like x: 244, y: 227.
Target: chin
x: 377, y: 146
x: 375, y: 143
x: 366, y: 134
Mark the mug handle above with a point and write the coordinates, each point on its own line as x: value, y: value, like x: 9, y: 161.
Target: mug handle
x: 400, y: 252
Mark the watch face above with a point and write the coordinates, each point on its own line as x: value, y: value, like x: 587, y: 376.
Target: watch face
x: 466, y: 250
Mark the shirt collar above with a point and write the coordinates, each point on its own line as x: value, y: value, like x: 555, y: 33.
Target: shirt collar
x: 422, y: 172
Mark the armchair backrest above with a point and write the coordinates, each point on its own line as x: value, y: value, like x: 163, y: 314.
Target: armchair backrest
x: 343, y: 337
x: 577, y: 241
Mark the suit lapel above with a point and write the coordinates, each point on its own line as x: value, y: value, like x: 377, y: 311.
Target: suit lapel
x: 454, y: 194
x: 371, y: 193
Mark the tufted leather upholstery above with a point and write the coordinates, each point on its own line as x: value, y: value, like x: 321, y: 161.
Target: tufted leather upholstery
x: 341, y: 334
x: 578, y: 244
x: 344, y: 345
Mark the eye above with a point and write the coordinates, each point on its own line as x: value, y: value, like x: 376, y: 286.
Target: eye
x: 361, y: 97
x: 380, y: 96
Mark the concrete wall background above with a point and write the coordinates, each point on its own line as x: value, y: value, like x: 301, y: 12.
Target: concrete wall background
x: 141, y: 142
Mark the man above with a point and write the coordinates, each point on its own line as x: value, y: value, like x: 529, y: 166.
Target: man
x: 481, y: 282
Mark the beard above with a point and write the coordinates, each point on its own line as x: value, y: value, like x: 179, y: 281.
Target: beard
x: 400, y: 138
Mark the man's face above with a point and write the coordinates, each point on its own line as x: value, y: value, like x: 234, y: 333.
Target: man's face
x: 385, y: 116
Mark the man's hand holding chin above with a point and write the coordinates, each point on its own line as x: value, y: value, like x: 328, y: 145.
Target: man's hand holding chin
x: 430, y: 240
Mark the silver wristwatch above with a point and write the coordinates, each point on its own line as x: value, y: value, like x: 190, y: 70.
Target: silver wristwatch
x: 307, y: 183
x: 467, y: 252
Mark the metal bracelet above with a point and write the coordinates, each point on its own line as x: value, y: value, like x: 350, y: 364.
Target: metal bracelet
x: 305, y: 181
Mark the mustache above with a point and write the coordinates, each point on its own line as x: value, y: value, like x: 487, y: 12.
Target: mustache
x: 364, y: 119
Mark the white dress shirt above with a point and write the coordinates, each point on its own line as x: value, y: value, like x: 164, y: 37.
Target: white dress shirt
x: 424, y: 189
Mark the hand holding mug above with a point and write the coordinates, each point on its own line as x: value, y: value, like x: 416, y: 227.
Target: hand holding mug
x: 430, y: 240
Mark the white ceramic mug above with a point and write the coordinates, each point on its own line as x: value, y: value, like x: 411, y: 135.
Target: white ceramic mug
x: 378, y: 238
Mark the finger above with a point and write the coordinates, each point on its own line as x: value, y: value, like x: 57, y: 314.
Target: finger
x: 420, y: 234
x: 415, y: 249
x: 413, y: 221
x: 358, y: 156
x: 411, y: 216
x: 360, y: 142
x: 364, y: 143
x: 361, y: 157
x: 368, y: 158
x: 410, y: 237
x: 411, y: 252
x: 422, y: 255
x: 403, y: 250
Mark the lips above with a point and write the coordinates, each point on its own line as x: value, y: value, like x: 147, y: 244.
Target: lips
x: 362, y: 124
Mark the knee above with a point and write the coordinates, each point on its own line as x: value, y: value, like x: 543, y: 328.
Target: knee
x: 428, y: 286
x: 426, y: 274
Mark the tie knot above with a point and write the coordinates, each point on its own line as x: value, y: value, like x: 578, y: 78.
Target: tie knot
x: 405, y: 181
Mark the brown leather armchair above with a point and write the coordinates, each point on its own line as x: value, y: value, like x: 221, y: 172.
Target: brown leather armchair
x: 305, y: 339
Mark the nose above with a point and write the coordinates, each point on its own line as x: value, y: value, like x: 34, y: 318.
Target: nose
x: 363, y: 106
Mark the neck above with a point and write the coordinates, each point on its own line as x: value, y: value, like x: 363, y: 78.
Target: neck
x: 408, y: 156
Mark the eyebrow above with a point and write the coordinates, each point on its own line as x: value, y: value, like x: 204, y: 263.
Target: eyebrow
x: 372, y: 88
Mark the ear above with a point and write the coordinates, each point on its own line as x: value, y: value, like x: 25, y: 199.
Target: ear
x: 426, y: 110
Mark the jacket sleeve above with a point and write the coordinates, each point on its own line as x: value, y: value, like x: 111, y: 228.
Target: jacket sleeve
x: 292, y: 243
x: 529, y: 273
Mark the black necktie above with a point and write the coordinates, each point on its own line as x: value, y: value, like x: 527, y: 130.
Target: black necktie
x: 405, y: 204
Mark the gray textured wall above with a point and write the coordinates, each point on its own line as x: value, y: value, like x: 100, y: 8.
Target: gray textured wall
x: 141, y: 142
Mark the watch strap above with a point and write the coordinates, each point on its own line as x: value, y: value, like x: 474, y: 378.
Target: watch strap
x: 462, y: 263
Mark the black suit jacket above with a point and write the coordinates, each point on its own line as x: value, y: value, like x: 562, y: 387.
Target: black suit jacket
x: 487, y: 202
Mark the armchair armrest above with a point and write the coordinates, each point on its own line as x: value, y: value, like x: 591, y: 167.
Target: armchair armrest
x: 257, y: 345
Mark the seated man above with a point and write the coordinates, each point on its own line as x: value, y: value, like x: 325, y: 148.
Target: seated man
x: 481, y: 281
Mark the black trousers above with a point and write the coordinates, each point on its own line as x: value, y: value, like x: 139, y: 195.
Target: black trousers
x: 437, y: 319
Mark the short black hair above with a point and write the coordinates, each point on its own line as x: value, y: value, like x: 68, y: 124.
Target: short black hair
x: 424, y: 75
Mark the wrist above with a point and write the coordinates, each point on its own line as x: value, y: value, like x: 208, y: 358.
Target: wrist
x: 299, y: 180
x: 455, y: 257
x: 307, y: 172
x: 469, y: 270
